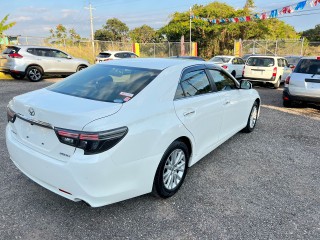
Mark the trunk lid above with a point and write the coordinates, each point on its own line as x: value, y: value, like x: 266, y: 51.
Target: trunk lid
x: 40, y: 111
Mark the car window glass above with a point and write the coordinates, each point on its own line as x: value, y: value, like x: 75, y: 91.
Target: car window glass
x: 285, y: 63
x: 31, y: 51
x: 106, y: 83
x: 43, y: 52
x: 260, y: 62
x: 195, y: 83
x: 222, y: 81
x: 133, y: 55
x: 119, y: 55
x: 234, y: 61
x: 179, y: 93
x: 104, y: 55
x: 240, y: 61
x: 308, y: 66
x: 58, y: 54
x: 280, y: 62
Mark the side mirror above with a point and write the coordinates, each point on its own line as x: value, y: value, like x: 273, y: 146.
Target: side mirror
x: 69, y: 57
x: 291, y: 66
x: 245, y: 84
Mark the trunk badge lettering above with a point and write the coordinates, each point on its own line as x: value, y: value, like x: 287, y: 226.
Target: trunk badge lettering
x: 31, y: 111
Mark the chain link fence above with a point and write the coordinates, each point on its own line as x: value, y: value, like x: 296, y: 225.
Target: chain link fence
x: 280, y: 47
x: 89, y: 50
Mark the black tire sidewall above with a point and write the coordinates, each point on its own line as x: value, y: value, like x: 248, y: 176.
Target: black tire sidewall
x: 158, y: 185
x: 34, y: 67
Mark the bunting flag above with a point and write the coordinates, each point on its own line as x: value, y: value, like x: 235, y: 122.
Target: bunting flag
x: 262, y: 16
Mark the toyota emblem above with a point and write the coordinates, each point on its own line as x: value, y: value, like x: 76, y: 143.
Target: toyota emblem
x: 31, y: 111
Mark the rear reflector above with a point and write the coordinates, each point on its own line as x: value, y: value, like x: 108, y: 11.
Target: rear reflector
x: 224, y: 67
x: 285, y: 98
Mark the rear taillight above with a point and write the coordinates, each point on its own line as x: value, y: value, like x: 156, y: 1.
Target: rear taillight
x: 15, y: 55
x: 224, y: 67
x: 287, y: 80
x: 318, y: 58
x: 274, y: 73
x: 11, y: 115
x: 292, y: 67
x: 108, y: 59
x: 243, y: 71
x: 91, y: 142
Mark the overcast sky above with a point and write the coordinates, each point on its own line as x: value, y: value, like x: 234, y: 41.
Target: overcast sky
x: 37, y: 17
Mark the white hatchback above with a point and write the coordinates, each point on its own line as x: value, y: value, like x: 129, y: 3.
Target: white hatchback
x: 120, y: 129
x: 303, y: 85
x: 266, y: 69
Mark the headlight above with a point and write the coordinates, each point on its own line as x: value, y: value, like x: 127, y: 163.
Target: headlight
x: 11, y: 115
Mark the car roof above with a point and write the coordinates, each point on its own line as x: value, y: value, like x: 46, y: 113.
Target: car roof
x: 229, y: 56
x: 112, y: 52
x: 312, y: 57
x: 153, y: 63
x: 265, y: 56
x: 28, y: 46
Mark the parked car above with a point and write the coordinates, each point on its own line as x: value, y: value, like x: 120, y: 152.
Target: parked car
x: 121, y: 129
x: 37, y: 61
x: 293, y: 61
x: 112, y: 55
x: 188, y: 58
x: 303, y: 85
x: 266, y: 69
x: 233, y: 65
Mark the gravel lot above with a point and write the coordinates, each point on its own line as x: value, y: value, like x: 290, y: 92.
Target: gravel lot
x: 263, y: 185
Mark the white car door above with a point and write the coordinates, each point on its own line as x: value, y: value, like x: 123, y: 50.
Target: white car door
x: 199, y: 108
x: 236, y: 104
x: 63, y: 63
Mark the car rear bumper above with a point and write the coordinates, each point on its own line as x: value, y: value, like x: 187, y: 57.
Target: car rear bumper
x: 259, y: 79
x: 287, y: 96
x: 95, y: 181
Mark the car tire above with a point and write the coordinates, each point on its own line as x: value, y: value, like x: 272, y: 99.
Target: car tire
x: 172, y: 170
x: 252, y: 119
x: 34, y: 73
x: 18, y: 76
x: 287, y: 103
x: 81, y: 67
x: 277, y: 84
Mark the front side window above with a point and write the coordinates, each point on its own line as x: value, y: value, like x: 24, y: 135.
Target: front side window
x: 106, y: 83
x: 58, y: 54
x: 222, y: 81
x: 195, y: 83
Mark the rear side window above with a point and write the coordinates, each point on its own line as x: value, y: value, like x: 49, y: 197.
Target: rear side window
x: 195, y: 83
x: 106, y: 83
x: 104, y: 55
x: 260, y: 62
x: 308, y: 66
x: 11, y: 50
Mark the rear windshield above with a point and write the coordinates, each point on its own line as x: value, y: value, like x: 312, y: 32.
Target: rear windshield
x: 260, y: 62
x: 220, y: 59
x: 104, y: 55
x: 10, y: 50
x: 106, y: 83
x: 308, y: 66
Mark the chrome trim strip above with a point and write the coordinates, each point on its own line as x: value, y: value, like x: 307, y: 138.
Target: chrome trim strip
x: 35, y: 122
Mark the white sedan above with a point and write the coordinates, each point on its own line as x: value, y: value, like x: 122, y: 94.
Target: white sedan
x: 121, y: 129
x: 232, y: 64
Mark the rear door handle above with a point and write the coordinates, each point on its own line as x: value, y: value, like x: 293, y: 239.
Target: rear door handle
x: 227, y: 102
x: 189, y: 113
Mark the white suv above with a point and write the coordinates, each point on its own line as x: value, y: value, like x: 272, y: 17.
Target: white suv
x: 35, y: 61
x: 303, y: 85
x: 267, y: 69
x: 111, y: 55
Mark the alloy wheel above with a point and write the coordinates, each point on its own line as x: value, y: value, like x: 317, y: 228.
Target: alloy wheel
x: 174, y: 169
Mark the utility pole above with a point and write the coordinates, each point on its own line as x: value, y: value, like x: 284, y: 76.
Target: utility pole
x: 190, y: 35
x: 91, y: 27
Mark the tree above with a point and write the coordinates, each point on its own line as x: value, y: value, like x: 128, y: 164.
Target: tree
x: 4, y: 26
x: 249, y: 5
x: 312, y: 34
x: 144, y: 34
x: 216, y: 39
x: 61, y: 32
x: 114, y: 30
